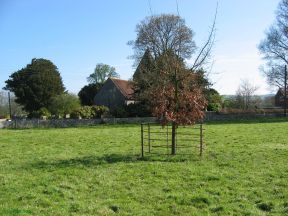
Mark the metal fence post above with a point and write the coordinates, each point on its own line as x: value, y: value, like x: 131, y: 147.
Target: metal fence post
x: 149, y: 144
x: 142, y: 141
x: 201, y: 140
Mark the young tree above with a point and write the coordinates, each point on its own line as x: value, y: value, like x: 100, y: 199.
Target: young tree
x: 101, y: 73
x: 173, y: 91
x: 36, y: 84
x: 64, y: 104
x: 174, y: 94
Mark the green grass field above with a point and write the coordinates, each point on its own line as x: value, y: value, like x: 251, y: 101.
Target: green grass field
x: 97, y: 171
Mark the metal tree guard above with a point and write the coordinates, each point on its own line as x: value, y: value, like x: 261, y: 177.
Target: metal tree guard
x: 155, y: 136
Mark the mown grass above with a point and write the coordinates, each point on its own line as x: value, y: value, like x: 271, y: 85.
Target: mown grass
x: 97, y: 171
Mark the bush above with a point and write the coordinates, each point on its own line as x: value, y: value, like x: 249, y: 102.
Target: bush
x: 42, y: 113
x: 63, y: 104
x: 99, y: 111
x: 88, y: 112
x: 138, y: 110
x: 75, y: 114
x: 216, y: 107
x: 119, y: 112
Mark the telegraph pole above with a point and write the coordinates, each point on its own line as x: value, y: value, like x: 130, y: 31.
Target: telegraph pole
x: 285, y: 91
x: 9, y: 101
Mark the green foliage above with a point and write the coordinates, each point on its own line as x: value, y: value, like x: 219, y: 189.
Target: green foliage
x: 101, y: 73
x: 138, y: 110
x: 88, y: 112
x: 216, y: 107
x: 119, y: 112
x: 202, y: 80
x: 143, y: 74
x: 214, y: 100
x: 88, y: 92
x: 36, y: 84
x: 99, y: 111
x: 132, y: 110
x: 64, y: 104
x: 42, y: 113
x: 97, y: 171
x: 84, y: 112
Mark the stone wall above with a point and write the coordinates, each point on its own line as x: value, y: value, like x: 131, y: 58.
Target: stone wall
x: 213, y: 116
x: 63, y: 123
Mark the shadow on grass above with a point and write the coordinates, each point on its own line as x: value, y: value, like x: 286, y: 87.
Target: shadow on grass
x: 90, y: 161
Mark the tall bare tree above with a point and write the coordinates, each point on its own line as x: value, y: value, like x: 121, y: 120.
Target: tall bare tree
x: 161, y: 33
x: 274, y: 47
x: 245, y: 95
x: 168, y: 32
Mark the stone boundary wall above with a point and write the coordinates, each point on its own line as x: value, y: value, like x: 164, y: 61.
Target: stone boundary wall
x: 64, y: 123
x: 213, y: 116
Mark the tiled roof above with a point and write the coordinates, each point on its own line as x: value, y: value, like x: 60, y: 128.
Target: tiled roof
x: 125, y: 87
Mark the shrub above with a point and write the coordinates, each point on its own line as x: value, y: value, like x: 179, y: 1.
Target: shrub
x: 216, y: 107
x: 138, y: 110
x: 75, y: 114
x: 119, y: 112
x: 63, y: 104
x: 42, y: 113
x: 99, y: 111
x: 88, y: 112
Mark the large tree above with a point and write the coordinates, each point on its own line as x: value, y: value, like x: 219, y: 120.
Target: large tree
x: 36, y: 84
x: 101, y: 73
x: 274, y: 47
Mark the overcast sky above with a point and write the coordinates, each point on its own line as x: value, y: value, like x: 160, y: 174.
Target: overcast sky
x: 77, y: 34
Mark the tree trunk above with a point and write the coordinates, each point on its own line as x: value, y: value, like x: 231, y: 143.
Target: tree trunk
x: 173, y: 146
x: 285, y: 91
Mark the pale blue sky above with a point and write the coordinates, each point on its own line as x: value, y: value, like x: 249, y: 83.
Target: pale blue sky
x: 77, y: 34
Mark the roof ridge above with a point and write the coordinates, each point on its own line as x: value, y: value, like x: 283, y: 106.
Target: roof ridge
x: 126, y: 94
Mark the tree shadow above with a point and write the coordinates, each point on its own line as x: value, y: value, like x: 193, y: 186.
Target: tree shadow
x: 87, y: 161
x: 91, y: 161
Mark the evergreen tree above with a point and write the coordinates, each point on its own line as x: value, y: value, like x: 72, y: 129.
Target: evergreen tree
x: 36, y: 84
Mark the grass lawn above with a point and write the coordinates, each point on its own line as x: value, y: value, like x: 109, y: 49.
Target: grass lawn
x: 97, y: 171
